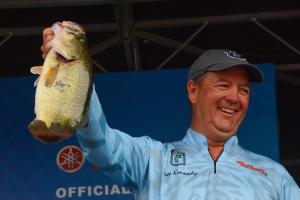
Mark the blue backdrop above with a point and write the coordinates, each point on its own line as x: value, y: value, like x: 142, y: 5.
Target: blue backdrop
x: 139, y: 103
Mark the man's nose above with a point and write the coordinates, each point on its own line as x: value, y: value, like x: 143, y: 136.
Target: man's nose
x: 232, y: 97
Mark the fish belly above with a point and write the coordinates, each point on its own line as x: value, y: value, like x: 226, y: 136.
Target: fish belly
x: 64, y: 101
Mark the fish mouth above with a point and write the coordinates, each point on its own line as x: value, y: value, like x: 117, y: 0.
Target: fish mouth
x: 61, y: 58
x: 59, y: 53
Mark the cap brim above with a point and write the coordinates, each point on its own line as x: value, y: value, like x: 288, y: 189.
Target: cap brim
x: 255, y: 74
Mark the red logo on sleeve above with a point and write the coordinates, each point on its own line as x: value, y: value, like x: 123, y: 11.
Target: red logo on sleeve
x: 242, y: 164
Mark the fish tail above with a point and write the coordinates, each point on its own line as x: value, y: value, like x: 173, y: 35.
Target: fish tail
x: 55, y: 133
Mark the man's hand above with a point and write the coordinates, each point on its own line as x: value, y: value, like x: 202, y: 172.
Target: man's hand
x: 48, y: 35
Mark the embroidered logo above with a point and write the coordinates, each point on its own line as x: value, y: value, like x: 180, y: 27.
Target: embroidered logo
x: 234, y: 54
x: 177, y: 158
x: 261, y: 171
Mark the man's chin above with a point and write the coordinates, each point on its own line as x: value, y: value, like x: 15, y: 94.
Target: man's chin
x: 228, y: 128
x: 223, y: 134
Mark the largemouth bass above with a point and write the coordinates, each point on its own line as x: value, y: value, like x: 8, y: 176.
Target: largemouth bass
x: 64, y: 85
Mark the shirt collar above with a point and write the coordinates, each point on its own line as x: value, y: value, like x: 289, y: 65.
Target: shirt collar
x: 199, y: 141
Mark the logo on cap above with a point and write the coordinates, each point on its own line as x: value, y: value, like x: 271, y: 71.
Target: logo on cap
x: 234, y: 54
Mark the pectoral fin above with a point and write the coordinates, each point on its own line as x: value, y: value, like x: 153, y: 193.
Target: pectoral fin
x: 36, y: 69
x: 50, y: 76
x: 36, y: 81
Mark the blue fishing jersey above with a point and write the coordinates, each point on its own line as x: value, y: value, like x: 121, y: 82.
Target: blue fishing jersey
x: 182, y: 170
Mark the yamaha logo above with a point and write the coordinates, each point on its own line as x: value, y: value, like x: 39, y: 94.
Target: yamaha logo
x: 70, y: 159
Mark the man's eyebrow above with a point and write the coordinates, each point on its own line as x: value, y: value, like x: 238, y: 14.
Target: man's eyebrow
x: 220, y: 80
x: 246, y: 84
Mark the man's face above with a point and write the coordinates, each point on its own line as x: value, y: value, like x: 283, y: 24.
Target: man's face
x: 219, y: 102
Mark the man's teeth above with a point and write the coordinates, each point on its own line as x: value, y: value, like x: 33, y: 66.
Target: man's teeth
x: 227, y: 110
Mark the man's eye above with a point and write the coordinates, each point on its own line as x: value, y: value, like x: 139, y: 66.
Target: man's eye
x: 244, y: 91
x: 222, y: 86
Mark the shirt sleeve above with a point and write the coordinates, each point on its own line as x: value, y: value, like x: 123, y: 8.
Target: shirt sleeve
x: 290, y: 189
x: 120, y: 156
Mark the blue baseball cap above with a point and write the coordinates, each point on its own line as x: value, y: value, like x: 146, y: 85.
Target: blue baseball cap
x: 220, y: 59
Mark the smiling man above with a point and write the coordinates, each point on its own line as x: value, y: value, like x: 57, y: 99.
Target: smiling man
x: 219, y: 89
x: 208, y: 163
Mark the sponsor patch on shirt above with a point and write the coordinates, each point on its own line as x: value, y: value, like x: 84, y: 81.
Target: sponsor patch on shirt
x: 261, y: 171
x: 177, y: 158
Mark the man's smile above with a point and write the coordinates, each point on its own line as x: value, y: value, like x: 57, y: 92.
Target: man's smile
x: 228, y: 111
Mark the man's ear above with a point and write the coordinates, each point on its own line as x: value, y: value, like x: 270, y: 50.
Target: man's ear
x: 192, y: 90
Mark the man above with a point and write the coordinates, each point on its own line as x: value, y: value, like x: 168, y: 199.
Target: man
x: 208, y: 163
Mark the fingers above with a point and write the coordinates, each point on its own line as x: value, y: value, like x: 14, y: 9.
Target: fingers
x: 48, y: 35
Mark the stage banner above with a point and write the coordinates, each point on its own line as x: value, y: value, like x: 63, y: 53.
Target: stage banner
x: 139, y: 103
